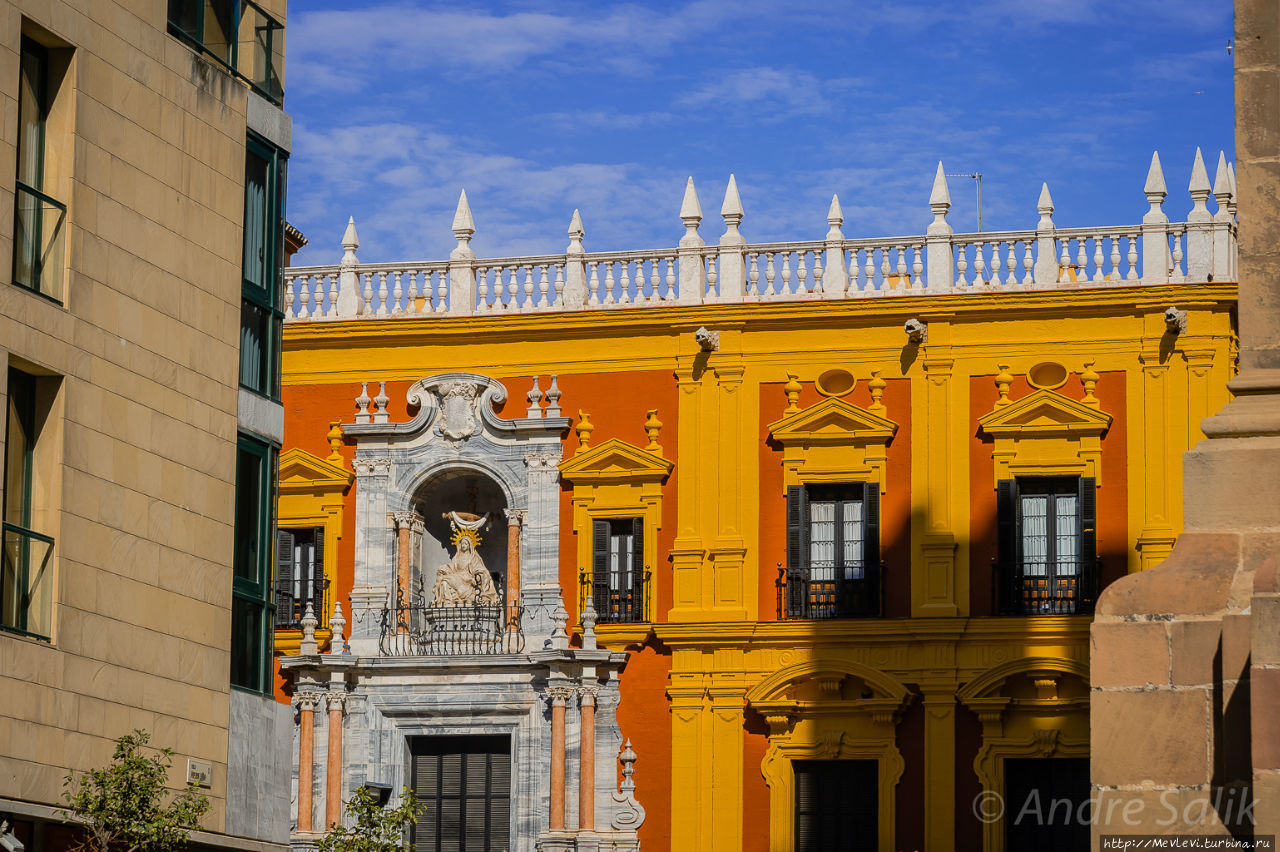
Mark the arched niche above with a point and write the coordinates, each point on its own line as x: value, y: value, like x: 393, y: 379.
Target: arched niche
x: 460, y: 489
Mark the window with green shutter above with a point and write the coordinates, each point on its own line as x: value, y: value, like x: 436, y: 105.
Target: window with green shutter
x: 833, y: 552
x: 261, y: 307
x: 251, y: 602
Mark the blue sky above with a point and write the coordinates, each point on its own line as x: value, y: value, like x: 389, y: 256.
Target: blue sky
x: 540, y: 108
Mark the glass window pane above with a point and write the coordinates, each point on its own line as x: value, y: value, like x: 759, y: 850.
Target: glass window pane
x: 246, y: 643
x: 184, y: 16
x: 852, y: 534
x: 1067, y: 533
x: 219, y: 28
x: 257, y: 215
x: 822, y: 539
x: 17, y: 509
x: 255, y: 325
x: 31, y: 114
x: 249, y: 509
x: 1035, y: 533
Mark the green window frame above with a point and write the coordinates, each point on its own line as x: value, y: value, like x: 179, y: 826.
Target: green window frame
x: 252, y: 607
x: 26, y: 571
x: 39, y: 219
x: 262, y: 303
x: 239, y: 35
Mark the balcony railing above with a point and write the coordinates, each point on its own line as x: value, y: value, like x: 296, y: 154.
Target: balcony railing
x: 939, y: 263
x: 411, y: 627
x: 237, y: 34
x: 291, y: 603
x: 1063, y: 588
x: 617, y: 598
x: 807, y: 594
x: 38, y: 254
x: 26, y: 582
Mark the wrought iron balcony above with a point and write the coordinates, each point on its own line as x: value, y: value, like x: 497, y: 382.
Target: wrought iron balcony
x: 1065, y: 587
x: 291, y: 602
x: 411, y: 627
x: 618, y: 598
x: 809, y: 593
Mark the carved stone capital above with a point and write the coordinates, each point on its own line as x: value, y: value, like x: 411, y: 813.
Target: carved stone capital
x: 405, y: 520
x: 542, y: 461
x: 337, y: 701
x: 380, y: 466
x: 516, y: 517
x: 307, y: 700
x: 588, y: 694
x: 559, y: 695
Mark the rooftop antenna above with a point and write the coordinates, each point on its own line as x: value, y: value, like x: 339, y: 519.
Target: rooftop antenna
x: 977, y: 176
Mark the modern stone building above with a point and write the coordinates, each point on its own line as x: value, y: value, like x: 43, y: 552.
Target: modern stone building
x: 141, y: 234
x: 743, y: 546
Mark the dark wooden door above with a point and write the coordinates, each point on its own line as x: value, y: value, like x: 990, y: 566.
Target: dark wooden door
x: 465, y: 783
x: 1043, y: 804
x: 836, y: 805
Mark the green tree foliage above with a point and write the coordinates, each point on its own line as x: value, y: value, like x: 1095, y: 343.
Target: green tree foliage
x: 375, y: 829
x: 119, y: 806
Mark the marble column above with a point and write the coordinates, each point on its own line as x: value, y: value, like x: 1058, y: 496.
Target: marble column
x: 587, y: 760
x: 515, y: 520
x: 559, y: 697
x: 333, y: 772
x: 307, y: 702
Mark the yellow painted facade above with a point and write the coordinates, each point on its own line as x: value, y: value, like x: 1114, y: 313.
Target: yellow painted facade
x: 937, y: 689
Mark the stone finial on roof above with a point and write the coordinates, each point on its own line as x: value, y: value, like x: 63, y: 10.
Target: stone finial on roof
x: 576, y: 233
x: 1045, y: 207
x: 309, y: 623
x: 1234, y: 200
x: 553, y: 398
x: 732, y: 213
x: 691, y: 215
x: 940, y: 203
x: 464, y: 226
x: 835, y: 218
x: 336, y: 624
x: 589, y: 619
x: 1222, y: 189
x: 350, y: 242
x: 1155, y: 190
x: 1200, y: 189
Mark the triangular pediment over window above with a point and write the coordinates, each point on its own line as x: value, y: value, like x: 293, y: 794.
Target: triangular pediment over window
x: 832, y: 421
x: 615, y: 459
x: 1045, y: 413
x: 301, y: 471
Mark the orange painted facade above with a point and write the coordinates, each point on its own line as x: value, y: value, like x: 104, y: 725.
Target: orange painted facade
x: 724, y: 697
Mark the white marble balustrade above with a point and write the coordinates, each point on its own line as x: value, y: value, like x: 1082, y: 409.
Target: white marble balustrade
x: 1157, y: 251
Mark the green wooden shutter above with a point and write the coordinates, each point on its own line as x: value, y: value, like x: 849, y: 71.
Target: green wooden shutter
x: 284, y: 560
x: 871, y: 546
x: 635, y: 583
x: 600, y: 551
x: 1088, y: 541
x: 1008, y: 569
x: 797, y: 550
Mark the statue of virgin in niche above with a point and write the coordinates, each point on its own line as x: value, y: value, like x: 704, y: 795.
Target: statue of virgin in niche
x: 464, y: 580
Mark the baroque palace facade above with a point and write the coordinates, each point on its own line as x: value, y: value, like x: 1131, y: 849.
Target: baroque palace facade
x: 735, y: 546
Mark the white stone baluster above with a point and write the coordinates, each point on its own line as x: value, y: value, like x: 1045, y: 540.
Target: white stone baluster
x: 962, y: 265
x: 624, y: 283
x: 544, y: 297
x: 1132, y: 274
x: 1064, y: 262
x: 753, y: 276
x: 1098, y: 260
x: 291, y: 285
x: 941, y: 264
x: 979, y: 264
x: 482, y: 297
x: 769, y: 274
x: 655, y: 280
x: 869, y: 269
x: 1176, y: 274
x: 884, y: 270
x: 785, y: 274
x: 1082, y: 261
x: 713, y: 275
x: 593, y: 285
x: 901, y: 271
x: 1028, y: 263
x: 305, y: 295
x: 366, y: 280
x: 530, y: 296
x: 331, y: 287
x: 854, y: 271
x: 818, y: 272
x: 557, y: 300
x: 1011, y: 263
x: 609, y: 282
x: 1115, y: 274
x: 802, y: 274
x: 1155, y: 227
x: 397, y: 293
x: 670, y: 294
x: 917, y: 266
